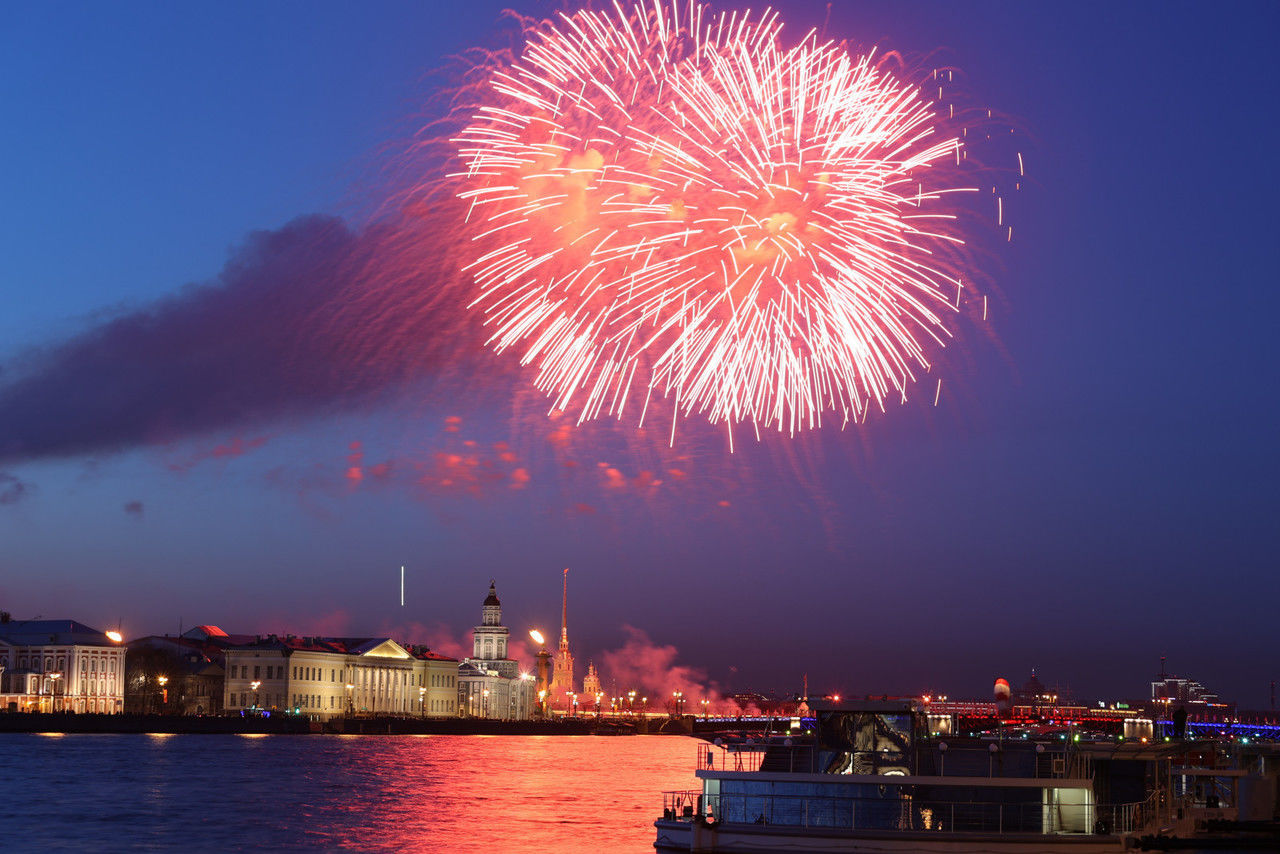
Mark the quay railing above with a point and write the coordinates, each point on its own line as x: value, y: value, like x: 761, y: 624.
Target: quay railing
x: 755, y: 756
x: 903, y: 814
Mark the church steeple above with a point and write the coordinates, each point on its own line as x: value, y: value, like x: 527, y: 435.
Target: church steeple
x: 562, y: 677
x: 564, y: 613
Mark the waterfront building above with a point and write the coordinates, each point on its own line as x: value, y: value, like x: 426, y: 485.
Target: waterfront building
x: 173, y: 675
x: 59, y: 665
x: 491, y: 685
x: 562, y: 680
x: 326, y: 678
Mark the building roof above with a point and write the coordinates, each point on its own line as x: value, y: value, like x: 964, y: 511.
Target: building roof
x: 52, y: 632
x: 204, y: 633
x: 492, y: 598
x: 340, y: 646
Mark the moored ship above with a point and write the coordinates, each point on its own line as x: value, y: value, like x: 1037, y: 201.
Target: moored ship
x: 869, y: 777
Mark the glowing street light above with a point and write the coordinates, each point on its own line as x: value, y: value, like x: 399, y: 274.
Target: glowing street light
x: 164, y: 692
x: 114, y: 636
x: 255, y: 685
x: 53, y: 689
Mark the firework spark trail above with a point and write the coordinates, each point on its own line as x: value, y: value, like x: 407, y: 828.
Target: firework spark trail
x: 670, y: 202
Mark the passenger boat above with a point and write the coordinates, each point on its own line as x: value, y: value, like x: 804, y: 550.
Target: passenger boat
x: 869, y: 777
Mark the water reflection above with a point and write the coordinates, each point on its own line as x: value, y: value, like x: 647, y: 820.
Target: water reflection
x: 367, y: 793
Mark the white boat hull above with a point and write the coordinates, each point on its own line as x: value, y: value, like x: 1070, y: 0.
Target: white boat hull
x: 687, y: 836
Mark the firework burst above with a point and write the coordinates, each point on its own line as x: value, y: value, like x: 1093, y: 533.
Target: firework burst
x: 667, y: 202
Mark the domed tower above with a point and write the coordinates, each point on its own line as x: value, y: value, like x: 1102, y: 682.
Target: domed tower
x: 489, y: 639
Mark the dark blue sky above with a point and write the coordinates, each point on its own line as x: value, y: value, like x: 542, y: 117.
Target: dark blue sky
x: 1096, y: 488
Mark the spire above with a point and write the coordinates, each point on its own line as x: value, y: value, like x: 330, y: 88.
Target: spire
x: 564, y: 611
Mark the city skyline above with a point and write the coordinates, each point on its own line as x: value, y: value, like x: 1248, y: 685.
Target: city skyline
x: 1092, y: 491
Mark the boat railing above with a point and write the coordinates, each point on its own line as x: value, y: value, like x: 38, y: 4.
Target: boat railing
x: 777, y: 756
x: 902, y: 814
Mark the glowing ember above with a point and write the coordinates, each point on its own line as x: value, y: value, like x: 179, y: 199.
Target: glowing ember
x: 673, y: 203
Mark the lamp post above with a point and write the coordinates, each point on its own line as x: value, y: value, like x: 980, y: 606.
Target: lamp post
x: 53, y: 689
x: 422, y: 702
x: 484, y: 703
x: 351, y: 706
x: 706, y: 706
x: 164, y: 692
x: 255, y: 685
x: 678, y: 699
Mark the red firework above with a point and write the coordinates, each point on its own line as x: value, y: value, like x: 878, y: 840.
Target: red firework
x: 673, y: 203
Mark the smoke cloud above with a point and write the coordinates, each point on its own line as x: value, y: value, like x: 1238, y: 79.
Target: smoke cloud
x: 306, y: 320
x: 651, y: 669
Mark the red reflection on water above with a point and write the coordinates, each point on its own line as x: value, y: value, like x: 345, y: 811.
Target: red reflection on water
x: 542, y: 794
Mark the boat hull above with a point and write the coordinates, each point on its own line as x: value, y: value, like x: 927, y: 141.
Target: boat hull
x: 687, y: 836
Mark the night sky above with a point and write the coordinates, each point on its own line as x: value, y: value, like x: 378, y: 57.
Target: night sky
x: 1096, y: 487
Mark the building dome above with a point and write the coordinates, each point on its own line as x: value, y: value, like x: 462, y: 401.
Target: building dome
x: 492, y: 598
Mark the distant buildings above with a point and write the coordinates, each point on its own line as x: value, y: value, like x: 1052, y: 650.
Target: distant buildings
x: 59, y: 665
x: 591, y: 683
x: 1170, y: 692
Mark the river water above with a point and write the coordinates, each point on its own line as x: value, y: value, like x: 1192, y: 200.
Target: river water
x: 544, y: 794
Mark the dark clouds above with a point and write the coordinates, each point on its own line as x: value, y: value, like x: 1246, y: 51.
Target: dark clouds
x: 305, y: 320
x: 13, y: 490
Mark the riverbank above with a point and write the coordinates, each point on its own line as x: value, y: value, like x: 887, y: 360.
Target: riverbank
x: 295, y: 725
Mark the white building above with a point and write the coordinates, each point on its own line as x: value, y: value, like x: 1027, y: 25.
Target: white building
x: 490, y: 685
x: 59, y: 665
x: 331, y: 677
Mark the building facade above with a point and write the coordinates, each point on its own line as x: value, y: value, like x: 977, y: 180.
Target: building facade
x: 490, y: 685
x: 325, y: 678
x: 60, y: 665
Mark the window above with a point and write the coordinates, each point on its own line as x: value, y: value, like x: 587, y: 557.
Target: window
x: 256, y: 671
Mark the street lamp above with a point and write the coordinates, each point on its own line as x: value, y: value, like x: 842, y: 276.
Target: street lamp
x: 164, y: 692
x: 484, y: 704
x: 53, y: 689
x: 255, y: 685
x: 706, y: 705
x: 351, y: 707
x: 422, y: 702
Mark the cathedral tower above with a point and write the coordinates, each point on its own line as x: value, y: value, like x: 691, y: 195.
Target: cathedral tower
x: 489, y: 640
x: 562, y: 679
